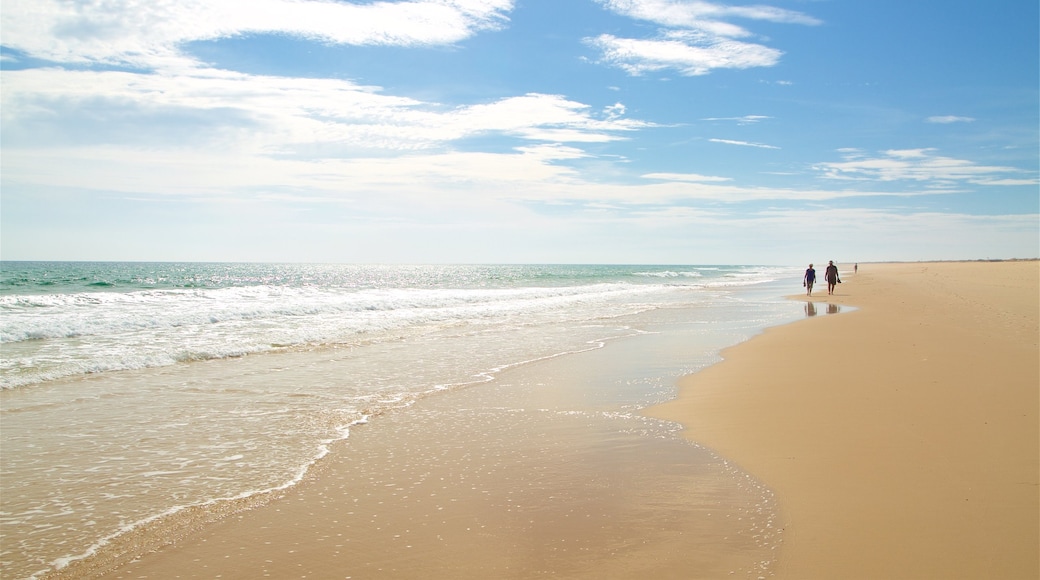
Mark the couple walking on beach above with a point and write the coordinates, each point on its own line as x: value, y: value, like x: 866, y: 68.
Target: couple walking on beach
x: 831, y: 274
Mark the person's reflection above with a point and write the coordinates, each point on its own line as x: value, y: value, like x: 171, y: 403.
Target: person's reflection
x: 810, y: 308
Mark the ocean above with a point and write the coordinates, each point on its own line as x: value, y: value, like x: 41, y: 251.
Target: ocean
x: 133, y: 391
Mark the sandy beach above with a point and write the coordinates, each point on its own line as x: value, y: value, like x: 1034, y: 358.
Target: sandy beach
x: 891, y: 433
x: 901, y: 438
x: 550, y: 470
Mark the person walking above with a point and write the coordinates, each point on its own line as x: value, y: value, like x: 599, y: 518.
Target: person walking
x: 808, y: 280
x: 831, y: 274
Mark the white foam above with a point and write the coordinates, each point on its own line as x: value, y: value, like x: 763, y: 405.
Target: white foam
x: 105, y: 331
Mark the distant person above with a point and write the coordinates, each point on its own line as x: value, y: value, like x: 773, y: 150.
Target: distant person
x: 831, y: 274
x: 855, y: 268
x: 808, y: 280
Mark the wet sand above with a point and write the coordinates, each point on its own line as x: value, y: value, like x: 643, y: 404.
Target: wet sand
x: 540, y: 473
x: 901, y: 439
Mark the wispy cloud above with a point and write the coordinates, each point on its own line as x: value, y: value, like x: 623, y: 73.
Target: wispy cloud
x: 187, y: 103
x: 945, y: 119
x: 267, y: 114
x: 705, y: 16
x: 150, y: 35
x: 636, y: 56
x: 694, y: 177
x: 743, y: 143
x: 695, y: 37
x: 537, y: 173
x: 230, y: 135
x: 745, y: 120
x: 921, y: 165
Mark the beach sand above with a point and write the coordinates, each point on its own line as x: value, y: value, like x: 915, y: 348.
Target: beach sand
x: 898, y: 440
x: 901, y: 439
x: 536, y: 474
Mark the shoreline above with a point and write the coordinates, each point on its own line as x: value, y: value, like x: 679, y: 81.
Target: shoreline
x: 837, y: 473
x: 901, y: 438
x: 550, y: 470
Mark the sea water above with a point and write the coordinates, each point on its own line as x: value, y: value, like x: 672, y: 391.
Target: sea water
x: 131, y: 391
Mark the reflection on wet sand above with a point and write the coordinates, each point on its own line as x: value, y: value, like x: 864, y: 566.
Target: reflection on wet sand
x: 811, y: 308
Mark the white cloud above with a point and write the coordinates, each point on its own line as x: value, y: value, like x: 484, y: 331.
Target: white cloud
x: 149, y: 33
x: 614, y: 111
x: 694, y: 39
x: 984, y: 181
x: 921, y: 165
x: 685, y: 177
x: 745, y: 120
x: 546, y: 117
x: 946, y: 119
x: 743, y: 143
x: 529, y: 174
x: 641, y: 56
x: 181, y: 128
x: 703, y: 15
x: 275, y: 114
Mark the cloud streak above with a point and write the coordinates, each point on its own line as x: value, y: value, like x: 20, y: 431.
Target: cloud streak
x: 150, y: 34
x: 743, y: 143
x: 920, y: 165
x: 685, y: 53
x: 695, y: 37
x: 947, y: 119
x: 704, y: 16
x: 745, y: 120
x: 277, y: 114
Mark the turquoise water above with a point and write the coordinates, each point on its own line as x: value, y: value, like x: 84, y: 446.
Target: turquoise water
x: 67, y: 319
x: 136, y: 390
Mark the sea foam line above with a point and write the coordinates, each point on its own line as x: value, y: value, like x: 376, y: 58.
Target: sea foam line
x: 323, y: 450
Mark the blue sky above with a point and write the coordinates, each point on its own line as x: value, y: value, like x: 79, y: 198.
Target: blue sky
x: 573, y: 131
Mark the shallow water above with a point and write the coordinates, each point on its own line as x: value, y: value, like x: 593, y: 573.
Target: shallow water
x: 549, y: 470
x: 87, y: 457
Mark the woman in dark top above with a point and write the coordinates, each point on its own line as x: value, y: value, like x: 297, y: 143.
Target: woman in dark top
x: 810, y: 277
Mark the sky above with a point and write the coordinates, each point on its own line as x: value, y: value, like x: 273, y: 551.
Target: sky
x: 519, y: 131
